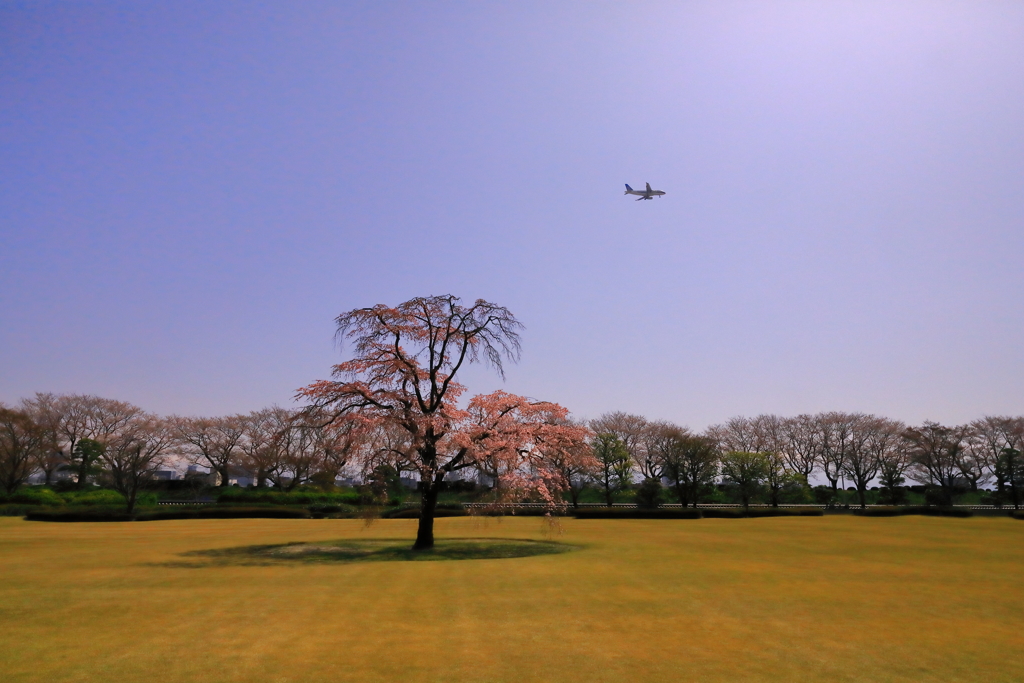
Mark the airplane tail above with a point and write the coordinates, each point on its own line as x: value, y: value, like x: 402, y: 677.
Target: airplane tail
x: 628, y: 188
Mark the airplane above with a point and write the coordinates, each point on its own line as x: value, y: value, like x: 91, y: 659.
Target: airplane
x: 644, y: 194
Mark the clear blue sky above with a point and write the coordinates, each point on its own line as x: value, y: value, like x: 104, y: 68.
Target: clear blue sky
x: 191, y: 192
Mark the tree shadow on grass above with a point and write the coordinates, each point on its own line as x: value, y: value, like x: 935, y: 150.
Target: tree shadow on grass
x: 367, y: 550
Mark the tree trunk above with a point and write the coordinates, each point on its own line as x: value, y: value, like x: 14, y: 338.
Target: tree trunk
x: 862, y: 494
x: 428, y: 504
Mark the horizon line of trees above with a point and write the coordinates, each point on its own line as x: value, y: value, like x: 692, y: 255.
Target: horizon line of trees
x: 122, y: 446
x: 768, y: 455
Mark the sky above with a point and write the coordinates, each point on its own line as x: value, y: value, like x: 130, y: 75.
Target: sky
x: 191, y: 192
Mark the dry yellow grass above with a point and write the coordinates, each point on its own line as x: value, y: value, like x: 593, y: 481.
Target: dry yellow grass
x: 815, y: 599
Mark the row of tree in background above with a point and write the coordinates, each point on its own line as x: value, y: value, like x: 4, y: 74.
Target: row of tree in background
x: 769, y: 455
x: 123, y: 446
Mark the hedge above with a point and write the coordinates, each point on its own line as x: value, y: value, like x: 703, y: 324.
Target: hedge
x: 414, y: 513
x: 99, y: 514
x: 16, y: 509
x: 33, y: 496
x: 514, y: 511
x: 82, y: 514
x: 740, y: 513
x: 272, y: 497
x: 1017, y: 514
x: 636, y: 513
x: 930, y: 510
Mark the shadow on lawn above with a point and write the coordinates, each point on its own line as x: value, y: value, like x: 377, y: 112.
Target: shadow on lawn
x: 368, y: 550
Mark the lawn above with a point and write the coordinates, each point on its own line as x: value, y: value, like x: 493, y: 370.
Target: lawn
x: 837, y: 598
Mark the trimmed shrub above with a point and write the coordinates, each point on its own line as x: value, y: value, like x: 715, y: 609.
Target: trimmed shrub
x: 103, y: 514
x: 784, y: 512
x: 175, y: 513
x: 17, y: 509
x: 513, y: 511
x: 33, y: 496
x: 82, y: 514
x: 414, y: 513
x: 722, y: 513
x: 330, y: 508
x: 96, y: 497
x: 648, y: 494
x: 636, y: 513
x: 930, y: 510
x: 271, y: 497
x: 212, y: 512
x: 740, y: 513
x: 1017, y: 514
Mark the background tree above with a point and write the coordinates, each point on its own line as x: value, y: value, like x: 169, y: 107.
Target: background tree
x: 973, y: 459
x: 73, y: 417
x: 633, y: 433
x: 835, y: 431
x: 764, y: 435
x: 301, y: 449
x: 213, y: 442
x: 802, y: 445
x: 105, y: 419
x: 613, y: 464
x: 934, y: 454
x: 1009, y: 475
x: 776, y: 475
x: 69, y: 417
x: 771, y: 443
x: 654, y: 442
x: 860, y: 463
x: 49, y: 457
x: 738, y: 434
x: 339, y: 445
x: 133, y: 455
x: 258, y: 447
x: 403, y: 376
x: 691, y: 465
x: 888, y: 448
x: 86, y: 458
x: 21, y: 439
x: 990, y: 438
x: 746, y: 470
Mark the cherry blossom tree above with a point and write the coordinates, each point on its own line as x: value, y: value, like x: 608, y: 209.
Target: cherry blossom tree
x: 402, y: 376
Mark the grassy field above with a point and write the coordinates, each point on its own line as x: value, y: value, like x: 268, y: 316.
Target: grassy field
x: 837, y: 598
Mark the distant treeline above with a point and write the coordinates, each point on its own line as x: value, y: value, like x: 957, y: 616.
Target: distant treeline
x: 767, y: 456
x: 84, y: 439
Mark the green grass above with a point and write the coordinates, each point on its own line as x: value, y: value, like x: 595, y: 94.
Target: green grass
x: 838, y: 598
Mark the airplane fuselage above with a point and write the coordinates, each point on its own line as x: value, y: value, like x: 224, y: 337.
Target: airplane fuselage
x: 644, y: 194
